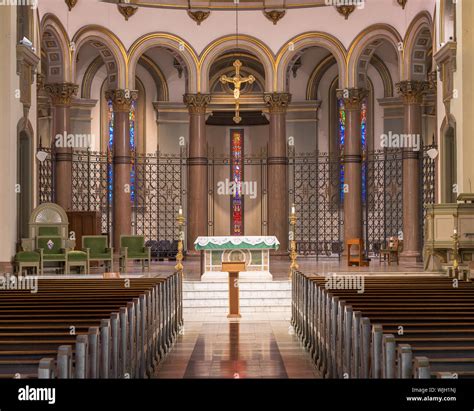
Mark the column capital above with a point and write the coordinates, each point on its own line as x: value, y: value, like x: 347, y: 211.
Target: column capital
x: 61, y: 93
x: 277, y: 102
x: 121, y: 99
x: 197, y: 103
x: 352, y: 97
x: 412, y: 91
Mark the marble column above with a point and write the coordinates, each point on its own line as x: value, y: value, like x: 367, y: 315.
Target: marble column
x: 197, y: 169
x: 352, y: 160
x: 412, y: 93
x: 61, y: 95
x: 277, y: 187
x: 122, y: 203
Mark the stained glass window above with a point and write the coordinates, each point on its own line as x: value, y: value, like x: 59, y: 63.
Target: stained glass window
x: 110, y: 147
x: 236, y: 148
x: 342, y: 137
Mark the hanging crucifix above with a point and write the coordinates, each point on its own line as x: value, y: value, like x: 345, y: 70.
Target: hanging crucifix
x: 237, y: 81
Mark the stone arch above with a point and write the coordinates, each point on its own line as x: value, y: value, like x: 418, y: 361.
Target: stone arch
x: 175, y: 45
x: 418, y: 47
x: 251, y: 44
x: 109, y: 47
x: 363, y: 48
x: 296, y: 47
x: 55, y: 46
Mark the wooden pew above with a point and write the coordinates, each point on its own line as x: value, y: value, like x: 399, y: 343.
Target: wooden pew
x: 129, y: 329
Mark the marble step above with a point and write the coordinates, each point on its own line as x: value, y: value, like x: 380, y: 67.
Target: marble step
x: 243, y: 310
x: 244, y: 286
x: 253, y: 302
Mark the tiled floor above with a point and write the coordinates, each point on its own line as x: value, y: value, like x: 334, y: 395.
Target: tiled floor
x: 258, y: 346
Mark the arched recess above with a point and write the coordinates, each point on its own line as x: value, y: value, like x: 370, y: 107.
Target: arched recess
x: 448, y: 160
x: 296, y: 47
x: 55, y: 47
x: 162, y: 93
x: 177, y: 46
x: 228, y: 43
x: 110, y: 49
x: 312, y: 89
x: 25, y: 175
x: 418, y: 48
x: 363, y: 48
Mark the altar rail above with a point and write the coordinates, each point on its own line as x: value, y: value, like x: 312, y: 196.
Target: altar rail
x: 385, y: 327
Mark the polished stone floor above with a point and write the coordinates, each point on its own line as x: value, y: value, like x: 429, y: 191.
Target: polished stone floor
x: 259, y: 346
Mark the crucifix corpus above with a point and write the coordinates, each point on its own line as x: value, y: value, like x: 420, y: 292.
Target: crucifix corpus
x: 237, y: 81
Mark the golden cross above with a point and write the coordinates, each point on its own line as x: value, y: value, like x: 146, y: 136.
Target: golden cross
x: 237, y: 81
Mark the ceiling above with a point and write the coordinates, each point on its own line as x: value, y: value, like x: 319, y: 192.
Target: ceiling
x: 225, y: 4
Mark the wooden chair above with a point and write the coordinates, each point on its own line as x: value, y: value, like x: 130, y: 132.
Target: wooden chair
x: 391, y: 251
x: 358, y: 259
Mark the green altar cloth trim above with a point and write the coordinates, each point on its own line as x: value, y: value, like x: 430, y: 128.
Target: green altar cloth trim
x: 237, y: 243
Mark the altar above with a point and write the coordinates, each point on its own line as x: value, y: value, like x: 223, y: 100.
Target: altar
x: 254, y: 251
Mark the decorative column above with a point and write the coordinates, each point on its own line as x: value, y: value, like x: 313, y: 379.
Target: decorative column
x: 61, y: 95
x: 352, y: 161
x: 197, y: 168
x: 122, y: 204
x: 278, y: 169
x: 412, y: 93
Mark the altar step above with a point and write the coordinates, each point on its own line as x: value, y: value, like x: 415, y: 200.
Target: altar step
x: 213, y: 297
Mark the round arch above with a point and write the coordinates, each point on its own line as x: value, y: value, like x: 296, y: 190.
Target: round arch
x: 363, y: 48
x: 301, y: 42
x: 55, y: 43
x: 109, y: 47
x: 251, y: 44
x: 419, y: 37
x: 170, y: 42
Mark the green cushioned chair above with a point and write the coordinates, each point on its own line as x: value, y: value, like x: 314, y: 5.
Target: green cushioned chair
x: 132, y: 247
x: 77, y: 259
x: 51, y: 249
x: 97, y: 249
x: 26, y: 259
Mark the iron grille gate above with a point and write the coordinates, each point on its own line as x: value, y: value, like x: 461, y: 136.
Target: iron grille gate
x: 315, y: 194
x: 160, y: 181
x: 314, y: 188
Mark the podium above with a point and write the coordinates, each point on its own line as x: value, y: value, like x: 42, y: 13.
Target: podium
x: 233, y: 268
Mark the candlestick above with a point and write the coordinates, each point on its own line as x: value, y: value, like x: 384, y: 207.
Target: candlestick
x: 179, y: 256
x: 293, y: 254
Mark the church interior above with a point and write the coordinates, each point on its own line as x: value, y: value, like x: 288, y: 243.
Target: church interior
x: 237, y: 189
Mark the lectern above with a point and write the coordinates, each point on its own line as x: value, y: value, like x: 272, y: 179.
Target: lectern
x: 233, y: 268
